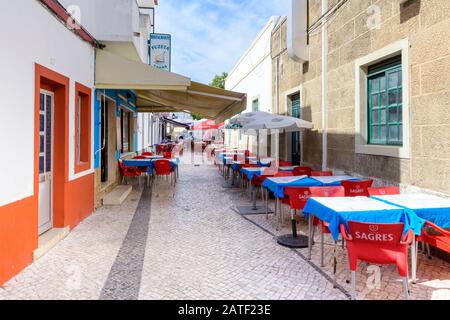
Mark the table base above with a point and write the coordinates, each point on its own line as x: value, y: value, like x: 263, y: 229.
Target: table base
x: 289, y: 241
x: 229, y: 186
x: 250, y: 210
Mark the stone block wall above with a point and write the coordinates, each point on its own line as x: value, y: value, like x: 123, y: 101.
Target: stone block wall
x: 426, y: 25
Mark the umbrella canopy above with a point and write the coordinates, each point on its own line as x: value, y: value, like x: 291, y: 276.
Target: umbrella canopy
x: 210, y: 134
x: 255, y: 121
x: 207, y: 125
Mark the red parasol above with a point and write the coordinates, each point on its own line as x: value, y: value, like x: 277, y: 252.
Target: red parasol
x: 207, y: 125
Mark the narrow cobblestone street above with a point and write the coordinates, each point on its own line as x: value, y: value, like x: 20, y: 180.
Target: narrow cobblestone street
x: 188, y: 243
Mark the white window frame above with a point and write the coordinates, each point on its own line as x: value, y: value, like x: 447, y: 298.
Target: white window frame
x: 361, y: 132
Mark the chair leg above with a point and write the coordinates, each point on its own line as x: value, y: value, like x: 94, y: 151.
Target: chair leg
x: 353, y: 285
x: 311, y: 235
x: 335, y: 265
x: 322, y: 264
x: 405, y: 288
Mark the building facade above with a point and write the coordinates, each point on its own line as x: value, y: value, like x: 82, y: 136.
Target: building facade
x: 123, y: 27
x: 252, y: 75
x: 46, y: 126
x: 385, y: 112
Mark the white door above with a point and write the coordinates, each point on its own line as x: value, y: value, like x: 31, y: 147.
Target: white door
x: 45, y: 161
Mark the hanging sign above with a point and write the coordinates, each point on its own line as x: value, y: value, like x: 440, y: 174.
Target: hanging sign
x: 160, y: 46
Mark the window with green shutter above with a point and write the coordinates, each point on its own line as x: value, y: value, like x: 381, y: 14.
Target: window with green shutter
x: 385, y: 95
x: 295, y: 105
x: 255, y: 105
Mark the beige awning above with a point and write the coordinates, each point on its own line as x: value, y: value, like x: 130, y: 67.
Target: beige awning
x: 162, y: 91
x: 115, y: 72
x: 210, y: 102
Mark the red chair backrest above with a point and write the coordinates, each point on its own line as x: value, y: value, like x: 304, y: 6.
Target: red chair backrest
x: 327, y: 192
x: 283, y: 163
x: 322, y: 174
x: 297, y: 197
x: 378, y: 244
x: 162, y: 167
x: 139, y: 158
x: 147, y: 154
x: 357, y: 188
x: 167, y: 155
x: 383, y: 191
x: 376, y: 233
x: 302, y: 171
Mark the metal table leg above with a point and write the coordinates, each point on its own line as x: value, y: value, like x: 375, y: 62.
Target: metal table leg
x: 414, y: 260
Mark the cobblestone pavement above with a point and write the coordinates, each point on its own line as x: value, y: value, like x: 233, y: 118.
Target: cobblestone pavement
x: 189, y: 243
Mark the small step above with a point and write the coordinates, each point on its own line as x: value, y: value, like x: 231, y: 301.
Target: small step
x: 48, y: 240
x: 117, y: 196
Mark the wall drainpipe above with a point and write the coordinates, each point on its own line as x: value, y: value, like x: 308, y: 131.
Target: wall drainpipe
x: 324, y: 87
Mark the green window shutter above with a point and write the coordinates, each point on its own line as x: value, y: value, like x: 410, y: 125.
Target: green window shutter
x: 385, y: 104
x: 295, y: 102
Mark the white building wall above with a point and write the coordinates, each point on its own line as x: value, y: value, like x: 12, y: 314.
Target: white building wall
x: 36, y: 37
x: 253, y: 72
x: 143, y: 132
x: 253, y: 75
x: 118, y: 23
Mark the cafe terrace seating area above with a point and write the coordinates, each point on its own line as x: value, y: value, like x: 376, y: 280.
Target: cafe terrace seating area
x: 378, y: 225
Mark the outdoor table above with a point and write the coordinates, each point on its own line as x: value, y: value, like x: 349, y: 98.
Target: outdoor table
x: 277, y: 186
x: 339, y: 211
x: 154, y: 157
x: 251, y: 172
x: 427, y: 207
x: 254, y: 209
x: 150, y: 164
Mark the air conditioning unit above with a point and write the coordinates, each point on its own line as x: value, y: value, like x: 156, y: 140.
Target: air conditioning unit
x: 297, y: 33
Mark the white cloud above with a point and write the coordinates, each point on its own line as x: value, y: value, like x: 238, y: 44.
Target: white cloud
x: 209, y: 36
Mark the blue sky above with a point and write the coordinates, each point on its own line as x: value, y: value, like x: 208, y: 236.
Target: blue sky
x: 209, y: 36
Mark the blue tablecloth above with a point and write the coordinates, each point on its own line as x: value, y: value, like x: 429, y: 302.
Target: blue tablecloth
x: 150, y: 164
x: 278, y: 187
x: 304, y: 182
x: 369, y: 212
x: 428, y: 207
x: 251, y: 172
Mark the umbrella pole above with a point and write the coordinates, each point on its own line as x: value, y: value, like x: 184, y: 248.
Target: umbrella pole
x: 257, y: 145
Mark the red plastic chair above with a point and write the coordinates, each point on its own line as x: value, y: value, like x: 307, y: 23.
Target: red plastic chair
x: 297, y: 197
x: 302, y: 171
x: 283, y: 163
x: 378, y: 244
x: 142, y: 170
x: 384, y: 191
x: 128, y: 171
x: 436, y: 237
x: 164, y: 169
x: 322, y: 174
x: 324, y: 192
x: 147, y: 154
x: 167, y: 155
x: 357, y: 188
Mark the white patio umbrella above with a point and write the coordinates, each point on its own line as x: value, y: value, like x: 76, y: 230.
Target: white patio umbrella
x: 256, y: 121
x: 253, y: 122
